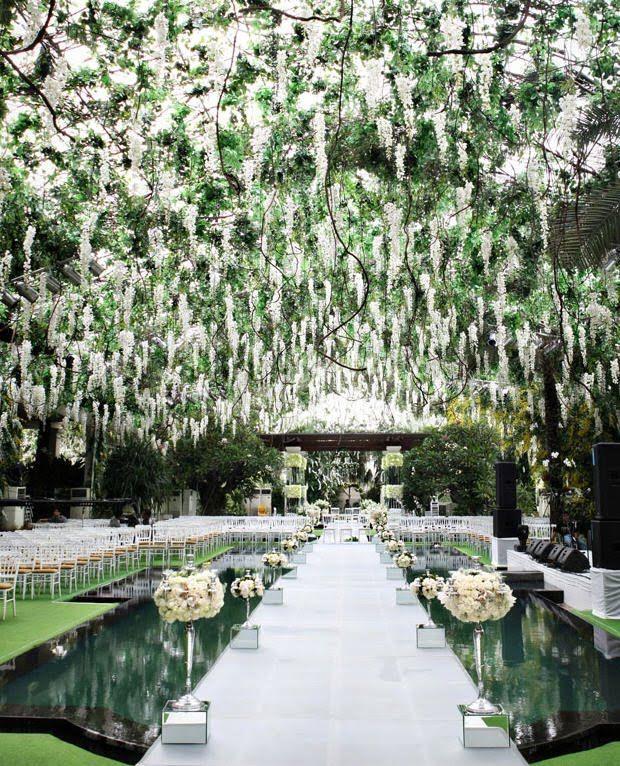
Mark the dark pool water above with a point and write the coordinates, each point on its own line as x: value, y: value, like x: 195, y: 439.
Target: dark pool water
x: 548, y: 673
x: 115, y: 675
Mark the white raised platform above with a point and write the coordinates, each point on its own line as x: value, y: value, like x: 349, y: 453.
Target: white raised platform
x: 577, y: 587
x: 337, y: 681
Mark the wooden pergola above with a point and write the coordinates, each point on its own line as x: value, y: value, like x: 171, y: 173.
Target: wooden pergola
x: 354, y: 442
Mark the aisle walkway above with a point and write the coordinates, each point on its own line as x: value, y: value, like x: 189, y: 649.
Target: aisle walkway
x: 337, y: 681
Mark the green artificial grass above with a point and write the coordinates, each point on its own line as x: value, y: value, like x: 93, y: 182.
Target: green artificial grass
x: 469, y: 550
x: 611, y: 626
x: 46, y: 750
x: 607, y: 755
x: 40, y: 620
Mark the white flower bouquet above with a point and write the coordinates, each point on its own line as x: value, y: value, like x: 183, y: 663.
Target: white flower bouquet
x: 378, y: 517
x: 385, y: 535
x: 275, y: 560
x: 187, y: 597
x: 473, y: 595
x: 429, y: 586
x: 247, y: 587
x: 301, y: 536
x: 289, y: 545
x: 405, y: 560
x: 394, y: 546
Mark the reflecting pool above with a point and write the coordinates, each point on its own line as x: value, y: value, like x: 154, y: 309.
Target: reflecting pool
x: 555, y: 674
x: 115, y: 674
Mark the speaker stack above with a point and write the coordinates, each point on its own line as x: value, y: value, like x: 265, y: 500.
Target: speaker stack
x: 506, y: 515
x: 606, y: 525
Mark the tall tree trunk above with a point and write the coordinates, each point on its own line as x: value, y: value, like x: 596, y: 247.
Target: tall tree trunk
x: 552, y: 437
x: 89, y: 454
x: 47, y: 439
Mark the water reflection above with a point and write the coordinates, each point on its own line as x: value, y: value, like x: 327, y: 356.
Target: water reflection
x: 116, y: 675
x: 548, y: 675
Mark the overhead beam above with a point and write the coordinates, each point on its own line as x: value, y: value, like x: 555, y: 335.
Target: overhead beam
x: 353, y: 442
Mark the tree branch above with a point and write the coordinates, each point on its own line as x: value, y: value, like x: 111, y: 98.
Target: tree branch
x: 491, y: 48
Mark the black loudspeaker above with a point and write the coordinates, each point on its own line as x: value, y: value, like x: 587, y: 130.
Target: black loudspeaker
x: 531, y: 544
x: 552, y: 557
x: 606, y: 543
x: 506, y: 522
x: 542, y: 550
x: 506, y: 485
x: 606, y: 466
x: 572, y: 560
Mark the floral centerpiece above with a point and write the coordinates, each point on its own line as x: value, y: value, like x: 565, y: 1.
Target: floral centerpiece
x: 378, y: 517
x: 394, y: 546
x: 186, y: 596
x: 301, y: 536
x: 275, y: 560
x: 247, y: 587
x: 289, y: 545
x: 385, y: 535
x: 429, y: 586
x: 473, y: 595
x: 405, y: 560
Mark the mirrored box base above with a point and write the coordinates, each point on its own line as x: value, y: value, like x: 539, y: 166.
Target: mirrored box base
x: 485, y: 730
x: 184, y: 727
x: 308, y: 547
x: 394, y: 573
x: 244, y: 636
x: 405, y: 597
x: 379, y: 547
x: 273, y: 596
x: 430, y: 637
x: 290, y: 574
x: 385, y: 558
x: 299, y: 558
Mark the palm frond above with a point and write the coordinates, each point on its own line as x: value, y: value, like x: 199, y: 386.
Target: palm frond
x: 598, y: 122
x: 585, y: 231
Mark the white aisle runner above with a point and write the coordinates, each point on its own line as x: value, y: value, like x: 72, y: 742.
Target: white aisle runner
x: 337, y: 681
